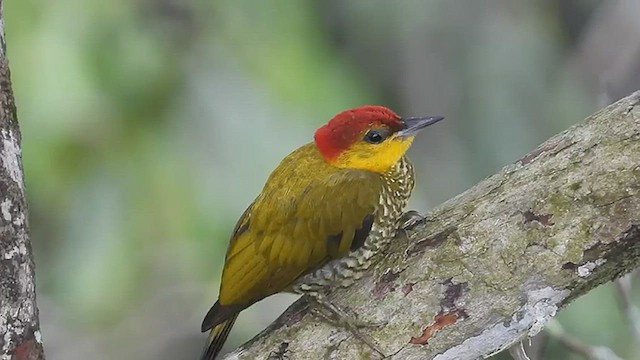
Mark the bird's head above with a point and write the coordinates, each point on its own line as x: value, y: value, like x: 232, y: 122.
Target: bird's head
x: 369, y: 138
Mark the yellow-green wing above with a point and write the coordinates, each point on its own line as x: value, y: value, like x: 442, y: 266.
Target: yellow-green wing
x: 307, y: 214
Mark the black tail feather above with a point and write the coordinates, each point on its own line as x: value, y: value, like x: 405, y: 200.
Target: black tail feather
x: 217, y: 338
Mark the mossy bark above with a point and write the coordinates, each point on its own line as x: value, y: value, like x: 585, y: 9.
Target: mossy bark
x: 491, y: 266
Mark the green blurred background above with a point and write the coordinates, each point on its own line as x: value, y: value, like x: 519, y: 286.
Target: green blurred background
x: 149, y: 125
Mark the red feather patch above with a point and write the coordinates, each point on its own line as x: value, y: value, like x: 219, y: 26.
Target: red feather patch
x: 349, y: 126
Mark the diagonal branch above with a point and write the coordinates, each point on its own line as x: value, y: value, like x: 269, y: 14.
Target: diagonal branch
x: 491, y: 266
x: 19, y: 327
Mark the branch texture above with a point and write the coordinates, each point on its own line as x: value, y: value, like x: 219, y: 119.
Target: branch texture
x: 491, y: 266
x: 19, y: 328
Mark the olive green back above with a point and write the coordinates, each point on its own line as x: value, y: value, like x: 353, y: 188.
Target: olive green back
x: 307, y: 213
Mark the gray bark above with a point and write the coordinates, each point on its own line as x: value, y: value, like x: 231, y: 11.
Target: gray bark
x: 491, y: 266
x: 20, y: 337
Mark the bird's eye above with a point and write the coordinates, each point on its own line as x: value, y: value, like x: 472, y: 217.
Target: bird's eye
x: 375, y: 136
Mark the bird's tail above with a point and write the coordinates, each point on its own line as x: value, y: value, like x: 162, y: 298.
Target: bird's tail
x: 217, y: 337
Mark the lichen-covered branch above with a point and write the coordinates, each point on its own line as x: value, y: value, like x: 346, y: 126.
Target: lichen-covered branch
x: 491, y: 266
x: 19, y: 327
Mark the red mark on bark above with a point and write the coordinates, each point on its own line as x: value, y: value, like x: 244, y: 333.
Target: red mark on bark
x: 441, y: 321
x: 386, y: 284
x: 543, y: 219
x: 25, y: 351
x: 451, y: 310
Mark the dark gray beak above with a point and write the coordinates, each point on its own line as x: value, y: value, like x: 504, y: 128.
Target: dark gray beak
x: 414, y: 124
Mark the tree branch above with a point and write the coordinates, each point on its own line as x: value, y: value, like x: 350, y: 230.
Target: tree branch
x: 19, y: 327
x: 491, y: 266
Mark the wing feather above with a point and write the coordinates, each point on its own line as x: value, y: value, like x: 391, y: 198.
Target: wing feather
x: 290, y: 225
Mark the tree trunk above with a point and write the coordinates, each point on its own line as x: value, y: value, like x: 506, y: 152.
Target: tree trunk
x: 20, y: 337
x: 491, y: 266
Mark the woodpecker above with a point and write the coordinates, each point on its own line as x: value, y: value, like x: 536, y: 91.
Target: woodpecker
x: 323, y: 214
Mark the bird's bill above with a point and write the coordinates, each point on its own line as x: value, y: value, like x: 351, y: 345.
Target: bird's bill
x: 413, y: 125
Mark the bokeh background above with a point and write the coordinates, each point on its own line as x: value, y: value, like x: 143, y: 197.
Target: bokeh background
x: 149, y: 125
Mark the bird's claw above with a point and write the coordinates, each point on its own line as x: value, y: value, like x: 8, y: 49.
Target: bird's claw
x: 334, y: 315
x: 410, y: 219
x: 354, y: 325
x: 346, y: 320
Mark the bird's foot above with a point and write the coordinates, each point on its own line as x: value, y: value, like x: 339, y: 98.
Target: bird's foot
x: 410, y: 219
x: 335, y: 315
x: 338, y: 317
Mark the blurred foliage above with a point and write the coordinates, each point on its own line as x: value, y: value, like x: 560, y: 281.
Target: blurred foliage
x: 149, y: 125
